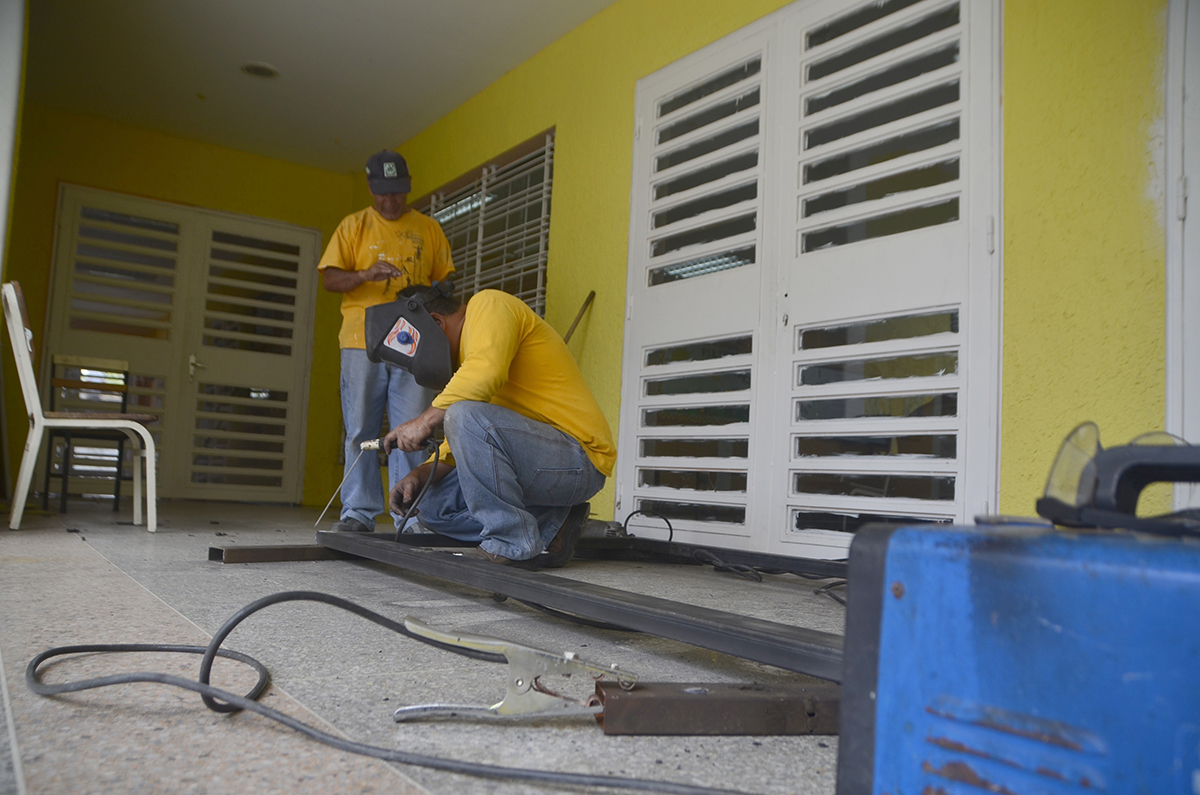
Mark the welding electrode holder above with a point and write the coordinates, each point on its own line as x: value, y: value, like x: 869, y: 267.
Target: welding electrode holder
x: 370, y: 444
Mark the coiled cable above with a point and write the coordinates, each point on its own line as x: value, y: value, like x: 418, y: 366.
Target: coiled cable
x: 224, y: 701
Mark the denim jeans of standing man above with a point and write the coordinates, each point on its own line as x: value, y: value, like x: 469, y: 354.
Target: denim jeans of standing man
x: 514, y: 481
x: 368, y: 388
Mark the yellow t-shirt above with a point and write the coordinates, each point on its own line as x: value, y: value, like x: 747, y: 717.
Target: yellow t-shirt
x: 511, y: 357
x: 414, y: 243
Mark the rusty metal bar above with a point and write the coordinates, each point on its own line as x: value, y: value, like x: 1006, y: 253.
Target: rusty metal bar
x: 672, y: 708
x: 275, y: 553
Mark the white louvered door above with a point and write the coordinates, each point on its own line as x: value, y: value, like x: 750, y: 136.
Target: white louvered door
x: 877, y: 197
x: 214, y: 313
x: 870, y: 295
x: 689, y: 412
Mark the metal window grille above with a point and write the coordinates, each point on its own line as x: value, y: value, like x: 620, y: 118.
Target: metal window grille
x: 497, y: 219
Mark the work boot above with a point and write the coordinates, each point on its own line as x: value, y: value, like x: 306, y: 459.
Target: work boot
x: 562, y: 546
x: 349, y: 525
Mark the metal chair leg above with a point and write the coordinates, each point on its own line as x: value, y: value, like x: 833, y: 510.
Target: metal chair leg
x: 25, y: 475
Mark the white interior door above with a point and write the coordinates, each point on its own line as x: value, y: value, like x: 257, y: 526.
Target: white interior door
x: 214, y: 313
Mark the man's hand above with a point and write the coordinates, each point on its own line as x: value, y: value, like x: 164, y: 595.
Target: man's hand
x: 340, y: 280
x: 411, y: 435
x: 406, y: 490
x: 380, y: 271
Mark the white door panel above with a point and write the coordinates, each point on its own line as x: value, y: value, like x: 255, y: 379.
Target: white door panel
x: 694, y: 300
x: 878, y: 281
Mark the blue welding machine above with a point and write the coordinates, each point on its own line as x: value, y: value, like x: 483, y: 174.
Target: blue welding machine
x: 1025, y: 659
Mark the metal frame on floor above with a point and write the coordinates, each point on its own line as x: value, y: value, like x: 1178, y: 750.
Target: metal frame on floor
x: 792, y: 648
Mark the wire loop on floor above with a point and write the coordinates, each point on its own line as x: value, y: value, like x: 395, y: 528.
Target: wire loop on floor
x: 223, y: 701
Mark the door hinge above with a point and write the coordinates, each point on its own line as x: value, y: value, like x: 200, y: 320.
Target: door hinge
x: 991, y: 234
x: 629, y: 307
x: 1183, y: 197
x: 637, y: 128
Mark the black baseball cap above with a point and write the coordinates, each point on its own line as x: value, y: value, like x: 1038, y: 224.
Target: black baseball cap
x: 388, y: 173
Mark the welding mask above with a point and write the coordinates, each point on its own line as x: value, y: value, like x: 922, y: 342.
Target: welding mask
x: 404, y: 334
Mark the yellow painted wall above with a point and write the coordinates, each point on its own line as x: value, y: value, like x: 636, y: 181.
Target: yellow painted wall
x: 1084, y: 254
x: 60, y: 147
x: 1083, y: 234
x: 583, y: 84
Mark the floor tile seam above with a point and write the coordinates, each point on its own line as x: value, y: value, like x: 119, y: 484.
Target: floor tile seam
x: 319, y: 718
x: 10, y: 726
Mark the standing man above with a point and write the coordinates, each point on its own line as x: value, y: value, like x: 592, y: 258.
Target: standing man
x: 374, y: 254
x: 526, y: 443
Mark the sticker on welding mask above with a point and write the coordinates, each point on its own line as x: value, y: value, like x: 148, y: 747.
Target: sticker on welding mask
x: 403, y: 338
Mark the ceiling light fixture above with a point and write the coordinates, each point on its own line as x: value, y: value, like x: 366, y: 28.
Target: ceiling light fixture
x: 259, y: 69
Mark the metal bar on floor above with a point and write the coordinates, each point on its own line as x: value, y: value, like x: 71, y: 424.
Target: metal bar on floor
x: 276, y: 553
x: 650, y: 550
x: 653, y: 550
x: 792, y: 648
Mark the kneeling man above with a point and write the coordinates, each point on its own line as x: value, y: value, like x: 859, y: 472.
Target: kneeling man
x: 526, y: 443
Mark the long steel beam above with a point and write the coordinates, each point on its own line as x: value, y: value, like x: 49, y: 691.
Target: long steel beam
x: 797, y: 649
x: 627, y: 547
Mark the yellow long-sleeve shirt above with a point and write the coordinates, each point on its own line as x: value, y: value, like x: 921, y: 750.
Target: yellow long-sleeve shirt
x: 511, y: 357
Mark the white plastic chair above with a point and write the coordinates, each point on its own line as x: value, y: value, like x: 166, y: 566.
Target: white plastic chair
x: 132, y: 425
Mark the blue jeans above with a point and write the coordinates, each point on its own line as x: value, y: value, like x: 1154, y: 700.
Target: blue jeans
x: 514, y: 481
x: 367, y: 388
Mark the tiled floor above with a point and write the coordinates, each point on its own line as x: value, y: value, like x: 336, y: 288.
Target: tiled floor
x: 86, y: 577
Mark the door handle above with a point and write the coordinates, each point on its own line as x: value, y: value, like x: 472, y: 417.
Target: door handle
x: 192, y: 366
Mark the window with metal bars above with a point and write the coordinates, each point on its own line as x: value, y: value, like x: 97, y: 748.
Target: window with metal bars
x: 497, y: 219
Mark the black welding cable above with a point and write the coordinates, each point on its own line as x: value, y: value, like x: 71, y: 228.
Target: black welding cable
x: 670, y: 529
x: 213, y: 697
x: 398, y: 627
x: 565, y: 616
x: 432, y: 445
x: 704, y: 556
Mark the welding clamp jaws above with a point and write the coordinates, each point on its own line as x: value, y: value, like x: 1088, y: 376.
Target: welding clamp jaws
x: 527, y: 696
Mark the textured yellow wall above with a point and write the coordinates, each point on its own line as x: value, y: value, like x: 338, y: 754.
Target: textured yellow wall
x: 1083, y: 229
x: 583, y: 84
x: 87, y: 151
x: 1083, y: 239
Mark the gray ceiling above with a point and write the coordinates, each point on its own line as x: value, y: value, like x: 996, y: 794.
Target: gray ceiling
x: 355, y: 76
